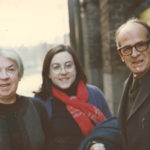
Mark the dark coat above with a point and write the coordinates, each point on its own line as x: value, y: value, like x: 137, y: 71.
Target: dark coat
x: 23, y: 125
x: 135, y: 127
x: 107, y: 133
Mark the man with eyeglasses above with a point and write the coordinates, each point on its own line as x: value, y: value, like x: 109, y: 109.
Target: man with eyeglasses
x: 133, y: 45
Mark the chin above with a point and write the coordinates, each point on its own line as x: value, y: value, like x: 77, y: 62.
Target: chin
x: 65, y: 87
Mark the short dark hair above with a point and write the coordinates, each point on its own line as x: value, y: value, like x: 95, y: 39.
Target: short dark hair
x: 132, y: 20
x: 45, y: 90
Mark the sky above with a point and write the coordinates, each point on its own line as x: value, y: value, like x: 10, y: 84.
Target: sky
x: 28, y: 22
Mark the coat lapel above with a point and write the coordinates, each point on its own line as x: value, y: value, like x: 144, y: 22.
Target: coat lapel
x: 122, y: 116
x: 144, y: 92
x: 124, y: 99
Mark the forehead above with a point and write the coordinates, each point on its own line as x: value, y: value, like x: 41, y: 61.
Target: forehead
x: 7, y: 62
x: 131, y: 33
x: 132, y: 29
x: 62, y: 57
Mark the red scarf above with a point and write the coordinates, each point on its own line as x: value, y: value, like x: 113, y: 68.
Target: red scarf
x: 81, y: 111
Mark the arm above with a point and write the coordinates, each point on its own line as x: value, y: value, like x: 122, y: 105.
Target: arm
x: 96, y: 97
x: 45, y: 121
x: 106, y: 133
x: 47, y: 104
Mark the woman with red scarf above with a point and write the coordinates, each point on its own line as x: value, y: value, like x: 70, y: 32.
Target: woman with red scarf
x: 74, y: 107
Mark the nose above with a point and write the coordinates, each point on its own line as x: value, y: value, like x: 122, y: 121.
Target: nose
x: 63, y: 71
x: 135, y: 53
x: 4, y: 74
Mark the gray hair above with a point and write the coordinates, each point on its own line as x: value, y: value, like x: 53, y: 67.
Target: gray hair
x: 132, y: 20
x: 13, y: 55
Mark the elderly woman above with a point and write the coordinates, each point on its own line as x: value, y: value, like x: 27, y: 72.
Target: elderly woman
x: 24, y: 122
x: 74, y: 107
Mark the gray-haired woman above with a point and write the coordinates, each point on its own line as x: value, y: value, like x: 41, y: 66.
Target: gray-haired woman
x: 23, y: 121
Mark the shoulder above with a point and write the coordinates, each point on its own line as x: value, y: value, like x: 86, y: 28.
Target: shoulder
x: 38, y: 98
x: 96, y: 96
x: 30, y: 100
x: 94, y: 90
x: 25, y: 98
x: 47, y: 103
x: 29, y: 103
x: 93, y: 87
x: 90, y: 86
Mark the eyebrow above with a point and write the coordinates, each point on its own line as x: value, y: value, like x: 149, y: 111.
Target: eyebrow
x: 12, y: 66
x: 69, y: 61
x: 56, y: 63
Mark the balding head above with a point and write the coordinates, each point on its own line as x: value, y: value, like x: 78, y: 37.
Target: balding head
x: 126, y: 25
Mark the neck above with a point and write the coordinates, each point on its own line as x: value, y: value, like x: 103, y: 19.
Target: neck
x: 9, y: 100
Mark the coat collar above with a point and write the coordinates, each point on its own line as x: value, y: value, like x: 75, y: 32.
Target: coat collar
x: 140, y: 99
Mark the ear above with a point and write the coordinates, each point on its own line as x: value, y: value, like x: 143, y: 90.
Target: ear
x: 121, y: 56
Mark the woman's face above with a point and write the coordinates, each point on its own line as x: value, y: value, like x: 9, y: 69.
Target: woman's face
x: 62, y: 71
x: 9, y: 78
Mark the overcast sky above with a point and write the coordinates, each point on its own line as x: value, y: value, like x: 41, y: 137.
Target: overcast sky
x: 28, y: 22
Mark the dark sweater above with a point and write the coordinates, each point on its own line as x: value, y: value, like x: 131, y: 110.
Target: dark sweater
x: 65, y: 133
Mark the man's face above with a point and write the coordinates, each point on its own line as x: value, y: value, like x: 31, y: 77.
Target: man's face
x: 137, y: 62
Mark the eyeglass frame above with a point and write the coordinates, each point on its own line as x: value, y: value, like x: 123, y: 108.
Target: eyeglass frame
x: 62, y: 67
x: 147, y: 42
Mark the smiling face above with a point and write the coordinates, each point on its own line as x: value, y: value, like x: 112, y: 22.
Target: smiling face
x: 62, y: 71
x: 9, y: 79
x: 137, y: 62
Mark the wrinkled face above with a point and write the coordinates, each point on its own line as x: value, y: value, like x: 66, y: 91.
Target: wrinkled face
x: 9, y: 78
x: 137, y: 62
x: 62, y: 71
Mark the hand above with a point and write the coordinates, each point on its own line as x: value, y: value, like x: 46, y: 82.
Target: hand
x: 97, y: 146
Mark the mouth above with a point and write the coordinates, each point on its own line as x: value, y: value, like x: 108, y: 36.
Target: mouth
x: 4, y: 85
x: 64, y: 79
x: 138, y: 62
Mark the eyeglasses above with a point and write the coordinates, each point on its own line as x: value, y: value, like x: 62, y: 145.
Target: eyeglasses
x: 57, y: 68
x: 140, y: 47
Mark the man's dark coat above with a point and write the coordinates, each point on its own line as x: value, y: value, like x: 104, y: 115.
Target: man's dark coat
x: 107, y: 133
x: 135, y: 127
